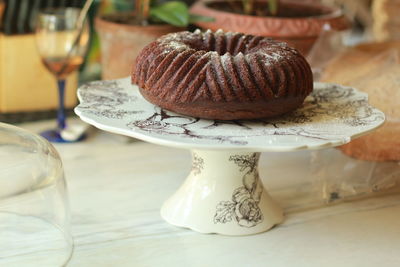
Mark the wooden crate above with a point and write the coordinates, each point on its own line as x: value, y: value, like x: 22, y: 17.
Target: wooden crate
x: 25, y: 84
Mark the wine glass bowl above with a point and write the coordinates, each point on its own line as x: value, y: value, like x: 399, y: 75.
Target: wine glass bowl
x: 62, y: 44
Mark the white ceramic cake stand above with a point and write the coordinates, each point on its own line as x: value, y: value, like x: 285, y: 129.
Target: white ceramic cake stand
x: 223, y: 192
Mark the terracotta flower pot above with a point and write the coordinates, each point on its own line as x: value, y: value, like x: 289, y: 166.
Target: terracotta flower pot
x: 297, y: 23
x: 120, y: 44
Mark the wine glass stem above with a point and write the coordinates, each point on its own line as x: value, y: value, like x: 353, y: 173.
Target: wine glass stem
x: 61, y: 108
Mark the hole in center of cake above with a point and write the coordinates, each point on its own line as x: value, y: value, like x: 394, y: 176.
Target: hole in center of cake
x: 220, y: 48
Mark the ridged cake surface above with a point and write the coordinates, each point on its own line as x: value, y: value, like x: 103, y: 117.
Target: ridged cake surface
x: 222, y: 75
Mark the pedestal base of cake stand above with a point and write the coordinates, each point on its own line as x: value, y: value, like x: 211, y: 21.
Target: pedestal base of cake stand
x: 223, y: 194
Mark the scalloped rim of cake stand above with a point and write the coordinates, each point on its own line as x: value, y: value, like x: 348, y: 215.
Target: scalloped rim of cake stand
x: 116, y: 126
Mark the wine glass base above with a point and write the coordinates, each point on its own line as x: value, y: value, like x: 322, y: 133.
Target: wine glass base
x: 55, y: 137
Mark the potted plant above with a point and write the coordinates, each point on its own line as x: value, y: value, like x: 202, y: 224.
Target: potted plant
x: 299, y: 23
x: 124, y: 34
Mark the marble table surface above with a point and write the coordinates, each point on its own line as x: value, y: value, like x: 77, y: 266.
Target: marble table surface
x: 118, y: 184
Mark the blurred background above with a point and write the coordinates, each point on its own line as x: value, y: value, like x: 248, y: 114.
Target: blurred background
x: 27, y: 89
x: 19, y: 85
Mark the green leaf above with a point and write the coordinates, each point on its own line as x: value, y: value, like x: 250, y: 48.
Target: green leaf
x: 195, y: 18
x: 174, y: 13
x: 273, y: 6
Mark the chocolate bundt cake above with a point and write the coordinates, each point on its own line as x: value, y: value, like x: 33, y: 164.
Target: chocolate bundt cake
x: 221, y: 75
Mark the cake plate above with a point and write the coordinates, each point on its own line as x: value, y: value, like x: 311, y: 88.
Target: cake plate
x: 223, y: 193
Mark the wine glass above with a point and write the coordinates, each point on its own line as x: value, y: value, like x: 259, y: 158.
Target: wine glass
x: 62, y: 41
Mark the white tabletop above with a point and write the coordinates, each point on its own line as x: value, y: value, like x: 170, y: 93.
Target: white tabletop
x: 117, y: 186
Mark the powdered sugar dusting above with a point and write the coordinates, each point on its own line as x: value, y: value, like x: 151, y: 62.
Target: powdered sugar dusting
x: 224, y: 59
x: 270, y: 49
x: 177, y: 45
x: 275, y: 56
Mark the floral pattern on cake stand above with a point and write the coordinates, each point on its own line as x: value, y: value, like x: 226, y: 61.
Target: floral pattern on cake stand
x: 223, y: 192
